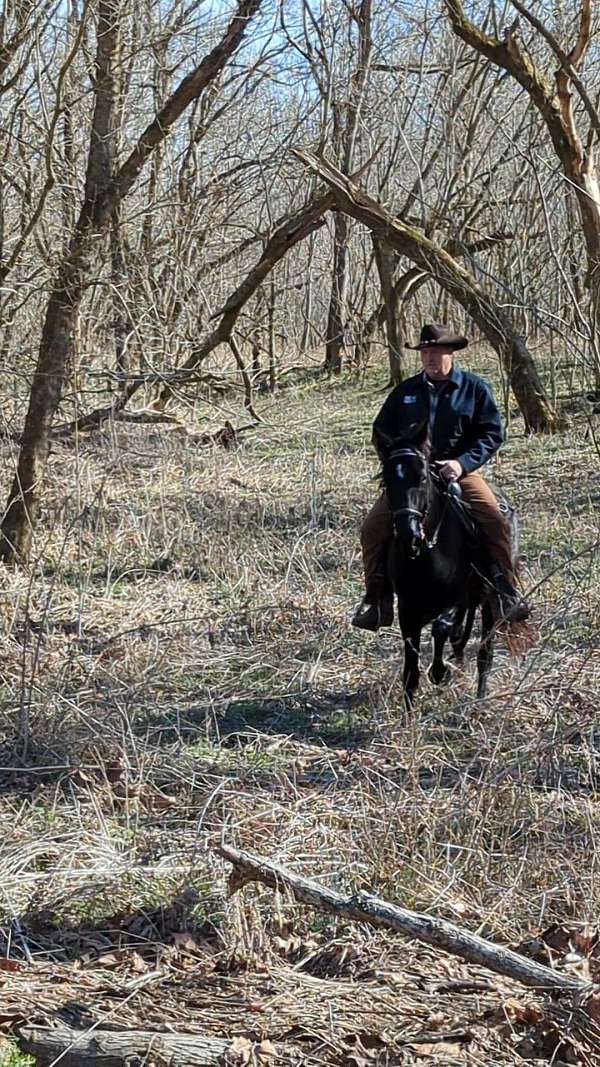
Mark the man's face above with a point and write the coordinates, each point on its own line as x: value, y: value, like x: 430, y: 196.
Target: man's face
x: 437, y: 361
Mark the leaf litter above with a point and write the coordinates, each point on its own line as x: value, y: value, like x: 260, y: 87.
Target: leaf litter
x: 230, y: 689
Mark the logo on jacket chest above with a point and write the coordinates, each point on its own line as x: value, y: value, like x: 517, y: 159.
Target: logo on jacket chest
x: 409, y: 399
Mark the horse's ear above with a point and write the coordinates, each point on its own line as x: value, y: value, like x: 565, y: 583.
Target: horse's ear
x: 413, y: 434
x: 417, y: 433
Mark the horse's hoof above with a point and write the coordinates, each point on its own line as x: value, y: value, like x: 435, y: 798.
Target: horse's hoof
x: 437, y: 676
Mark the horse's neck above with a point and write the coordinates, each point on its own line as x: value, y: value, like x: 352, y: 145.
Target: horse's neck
x: 435, y: 504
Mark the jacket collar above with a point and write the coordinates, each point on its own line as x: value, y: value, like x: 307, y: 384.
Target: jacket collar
x: 455, y: 377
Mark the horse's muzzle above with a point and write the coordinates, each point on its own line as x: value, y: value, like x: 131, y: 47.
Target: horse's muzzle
x: 409, y: 533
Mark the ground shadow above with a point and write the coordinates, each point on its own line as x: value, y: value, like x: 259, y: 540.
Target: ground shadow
x: 333, y: 718
x: 181, y: 921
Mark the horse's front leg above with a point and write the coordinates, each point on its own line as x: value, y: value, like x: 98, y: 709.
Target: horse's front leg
x: 412, y: 644
x: 485, y: 652
x: 440, y: 631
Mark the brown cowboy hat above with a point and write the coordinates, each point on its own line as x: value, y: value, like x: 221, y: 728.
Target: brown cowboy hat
x: 434, y: 335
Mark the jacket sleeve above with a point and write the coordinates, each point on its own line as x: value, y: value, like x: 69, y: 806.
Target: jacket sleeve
x: 487, y: 432
x: 385, y: 425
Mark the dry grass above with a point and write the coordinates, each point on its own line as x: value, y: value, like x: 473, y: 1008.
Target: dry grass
x: 180, y: 661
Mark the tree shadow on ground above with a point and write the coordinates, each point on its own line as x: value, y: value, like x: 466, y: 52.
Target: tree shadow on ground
x: 100, y: 939
x: 326, y: 717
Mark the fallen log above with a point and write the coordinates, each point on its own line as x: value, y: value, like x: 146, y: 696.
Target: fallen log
x: 364, y: 907
x: 122, y: 1048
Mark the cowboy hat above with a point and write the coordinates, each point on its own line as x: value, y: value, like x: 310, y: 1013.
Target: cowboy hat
x: 434, y: 335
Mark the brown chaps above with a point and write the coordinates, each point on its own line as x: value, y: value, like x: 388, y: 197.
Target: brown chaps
x: 376, y: 530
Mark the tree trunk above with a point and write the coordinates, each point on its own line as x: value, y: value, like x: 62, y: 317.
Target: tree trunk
x: 457, y: 281
x: 55, y: 346
x: 272, y: 338
x: 345, y: 138
x: 122, y: 325
x: 385, y: 260
x: 554, y: 101
x: 337, y: 304
x: 114, y: 1048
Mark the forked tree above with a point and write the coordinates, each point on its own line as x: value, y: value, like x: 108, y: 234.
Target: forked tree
x: 105, y: 189
x: 569, y: 115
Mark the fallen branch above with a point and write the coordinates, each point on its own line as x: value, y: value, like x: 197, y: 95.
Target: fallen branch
x: 108, y: 1048
x: 363, y: 907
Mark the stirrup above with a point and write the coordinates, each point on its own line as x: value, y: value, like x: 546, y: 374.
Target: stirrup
x: 367, y: 616
x: 370, y: 616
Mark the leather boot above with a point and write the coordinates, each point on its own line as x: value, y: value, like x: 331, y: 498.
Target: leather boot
x: 512, y: 605
x: 377, y: 608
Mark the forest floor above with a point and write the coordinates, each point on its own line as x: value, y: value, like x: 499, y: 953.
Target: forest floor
x: 179, y: 665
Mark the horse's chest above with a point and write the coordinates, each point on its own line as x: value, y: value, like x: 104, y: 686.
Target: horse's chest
x: 428, y: 586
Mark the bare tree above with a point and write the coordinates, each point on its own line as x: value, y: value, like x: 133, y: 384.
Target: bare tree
x: 573, y: 132
x: 103, y: 191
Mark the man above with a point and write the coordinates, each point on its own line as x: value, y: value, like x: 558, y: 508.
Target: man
x: 464, y: 431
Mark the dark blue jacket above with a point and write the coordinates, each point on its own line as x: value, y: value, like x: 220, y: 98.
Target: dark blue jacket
x: 462, y: 418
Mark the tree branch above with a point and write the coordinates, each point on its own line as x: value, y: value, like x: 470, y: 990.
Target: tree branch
x: 566, y: 61
x: 189, y: 89
x: 364, y: 907
x: 509, y: 56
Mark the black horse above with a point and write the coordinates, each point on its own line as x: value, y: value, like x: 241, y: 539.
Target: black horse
x: 436, y: 566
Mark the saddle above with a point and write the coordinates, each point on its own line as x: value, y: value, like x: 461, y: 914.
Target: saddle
x: 453, y: 493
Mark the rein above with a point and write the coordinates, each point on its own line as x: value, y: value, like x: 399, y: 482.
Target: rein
x: 431, y: 542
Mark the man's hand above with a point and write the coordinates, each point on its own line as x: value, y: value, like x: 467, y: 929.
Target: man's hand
x: 450, y: 469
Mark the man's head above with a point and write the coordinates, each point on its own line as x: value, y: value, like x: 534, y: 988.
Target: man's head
x: 437, y: 361
x: 437, y: 345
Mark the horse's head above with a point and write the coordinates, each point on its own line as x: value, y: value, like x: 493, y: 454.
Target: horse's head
x: 405, y: 476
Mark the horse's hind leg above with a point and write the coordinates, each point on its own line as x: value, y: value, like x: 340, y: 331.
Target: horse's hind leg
x: 485, y: 653
x: 440, y: 631
x: 461, y: 630
x: 412, y: 645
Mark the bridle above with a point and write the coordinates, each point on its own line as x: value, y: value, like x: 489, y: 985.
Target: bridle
x: 431, y: 542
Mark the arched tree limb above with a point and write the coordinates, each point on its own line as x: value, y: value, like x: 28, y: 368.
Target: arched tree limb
x: 455, y: 279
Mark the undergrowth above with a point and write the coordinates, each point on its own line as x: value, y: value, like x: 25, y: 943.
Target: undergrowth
x: 178, y: 663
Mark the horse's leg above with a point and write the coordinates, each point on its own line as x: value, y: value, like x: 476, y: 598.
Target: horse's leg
x: 485, y: 653
x: 412, y: 644
x: 440, y: 631
x: 461, y: 630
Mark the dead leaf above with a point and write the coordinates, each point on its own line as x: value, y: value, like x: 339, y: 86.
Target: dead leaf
x: 138, y: 963
x: 115, y: 769
x: 80, y: 779
x: 558, y: 938
x: 586, y: 940
x: 184, y: 941
x: 239, y: 1053
x: 519, y: 1011
x: 438, y: 1049
x: 437, y: 1020
x: 163, y: 802
x: 365, y: 1048
x: 11, y: 966
x: 266, y: 1051
x: 109, y: 959
x: 237, y: 880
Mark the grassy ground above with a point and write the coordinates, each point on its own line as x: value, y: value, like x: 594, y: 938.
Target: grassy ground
x: 179, y: 663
